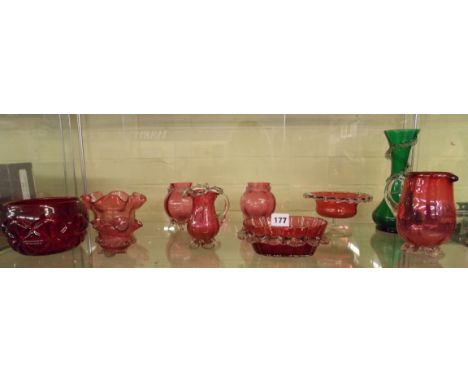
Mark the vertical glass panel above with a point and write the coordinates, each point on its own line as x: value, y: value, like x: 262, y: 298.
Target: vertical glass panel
x: 44, y: 142
x: 37, y: 159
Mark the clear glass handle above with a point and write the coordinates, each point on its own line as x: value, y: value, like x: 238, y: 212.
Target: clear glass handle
x: 392, y: 203
x: 222, y: 216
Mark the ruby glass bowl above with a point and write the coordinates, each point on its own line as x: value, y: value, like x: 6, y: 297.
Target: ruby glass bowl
x: 44, y: 226
x: 301, y: 238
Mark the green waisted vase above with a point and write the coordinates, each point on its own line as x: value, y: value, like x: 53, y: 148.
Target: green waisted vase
x: 401, y: 142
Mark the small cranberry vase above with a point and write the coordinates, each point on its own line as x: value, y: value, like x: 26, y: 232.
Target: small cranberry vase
x: 177, y: 206
x: 203, y: 224
x: 257, y: 200
x: 114, y: 218
x: 44, y: 226
x: 426, y: 215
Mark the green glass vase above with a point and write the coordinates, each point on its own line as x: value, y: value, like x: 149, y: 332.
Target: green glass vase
x: 401, y: 142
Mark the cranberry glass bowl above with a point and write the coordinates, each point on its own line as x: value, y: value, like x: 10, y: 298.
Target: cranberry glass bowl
x: 301, y: 238
x: 44, y: 226
x: 338, y: 204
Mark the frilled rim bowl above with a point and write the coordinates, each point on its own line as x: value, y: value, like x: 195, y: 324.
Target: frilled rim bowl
x: 301, y: 238
x: 339, y: 197
x: 299, y: 227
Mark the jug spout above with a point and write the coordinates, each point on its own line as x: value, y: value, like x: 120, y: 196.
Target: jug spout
x: 453, y: 177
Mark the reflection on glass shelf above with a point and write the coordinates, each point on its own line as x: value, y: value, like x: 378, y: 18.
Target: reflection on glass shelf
x: 260, y: 261
x: 74, y: 258
x: 418, y: 261
x: 340, y: 252
x: 181, y: 255
x: 387, y: 247
x: 157, y: 248
x: 134, y: 256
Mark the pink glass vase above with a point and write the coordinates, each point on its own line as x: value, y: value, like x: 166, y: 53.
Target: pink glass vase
x: 257, y: 200
x: 425, y: 215
x: 204, y: 223
x: 177, y: 206
x: 114, y: 218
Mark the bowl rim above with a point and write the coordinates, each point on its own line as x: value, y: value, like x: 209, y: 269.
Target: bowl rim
x: 285, y: 236
x: 42, y: 202
x: 339, y: 196
x: 253, y: 224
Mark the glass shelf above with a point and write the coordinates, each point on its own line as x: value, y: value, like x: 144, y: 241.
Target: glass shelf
x: 158, y: 248
x: 75, y: 258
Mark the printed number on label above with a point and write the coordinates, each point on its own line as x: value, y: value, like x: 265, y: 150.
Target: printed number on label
x: 280, y: 220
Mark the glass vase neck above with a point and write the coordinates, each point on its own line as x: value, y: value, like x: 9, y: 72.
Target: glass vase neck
x: 207, y: 197
x: 401, y: 142
x: 258, y: 186
x: 180, y: 185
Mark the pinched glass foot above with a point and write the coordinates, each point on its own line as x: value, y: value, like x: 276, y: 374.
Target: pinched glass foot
x: 339, y: 230
x: 173, y: 226
x: 210, y: 244
x: 411, y: 249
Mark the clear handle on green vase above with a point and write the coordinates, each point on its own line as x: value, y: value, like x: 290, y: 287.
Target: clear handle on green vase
x: 222, y: 216
x: 392, y: 203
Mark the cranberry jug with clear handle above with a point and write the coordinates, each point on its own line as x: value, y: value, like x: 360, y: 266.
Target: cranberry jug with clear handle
x: 204, y: 223
x: 425, y: 215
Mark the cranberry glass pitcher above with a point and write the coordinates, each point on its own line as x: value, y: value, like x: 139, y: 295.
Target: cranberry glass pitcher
x: 203, y: 224
x: 114, y: 218
x: 426, y: 214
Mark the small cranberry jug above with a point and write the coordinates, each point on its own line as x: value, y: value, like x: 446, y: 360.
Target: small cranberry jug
x: 203, y: 224
x: 257, y: 200
x: 114, y: 218
x: 426, y: 215
x: 177, y: 206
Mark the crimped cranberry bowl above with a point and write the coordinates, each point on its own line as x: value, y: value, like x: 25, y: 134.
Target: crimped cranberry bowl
x: 301, y: 238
